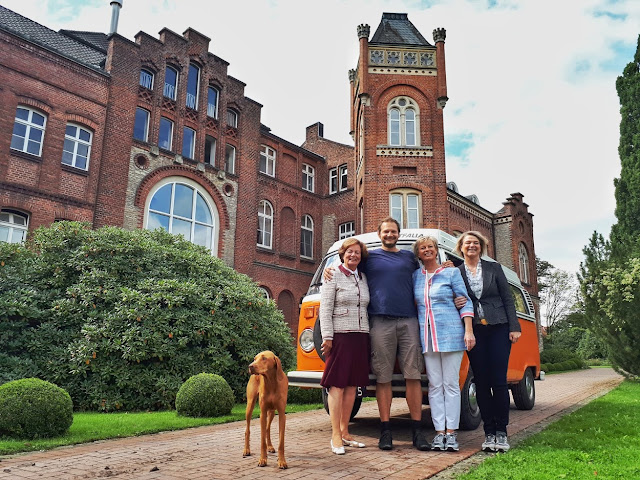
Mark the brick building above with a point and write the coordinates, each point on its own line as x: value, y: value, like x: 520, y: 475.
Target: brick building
x: 154, y: 133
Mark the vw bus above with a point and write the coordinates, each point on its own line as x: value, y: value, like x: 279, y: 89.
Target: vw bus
x: 524, y: 362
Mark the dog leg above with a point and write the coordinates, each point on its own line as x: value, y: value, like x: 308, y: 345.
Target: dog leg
x: 282, y: 463
x: 270, y: 448
x: 263, y: 436
x: 252, y: 395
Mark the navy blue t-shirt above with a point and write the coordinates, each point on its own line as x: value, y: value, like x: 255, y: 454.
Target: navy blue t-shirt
x: 390, y: 279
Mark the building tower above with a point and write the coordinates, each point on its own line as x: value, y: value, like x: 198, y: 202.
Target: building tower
x: 398, y: 91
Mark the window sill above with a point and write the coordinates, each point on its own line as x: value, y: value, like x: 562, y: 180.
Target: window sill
x: 27, y: 156
x: 262, y: 249
x: 307, y: 260
x: 77, y: 171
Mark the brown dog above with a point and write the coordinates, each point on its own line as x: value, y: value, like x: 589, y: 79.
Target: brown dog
x: 269, y: 382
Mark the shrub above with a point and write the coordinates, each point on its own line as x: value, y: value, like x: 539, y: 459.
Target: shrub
x: 304, y: 395
x: 33, y: 408
x: 204, y: 395
x: 120, y: 319
x: 544, y: 367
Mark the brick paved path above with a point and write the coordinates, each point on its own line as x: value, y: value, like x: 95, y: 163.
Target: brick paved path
x: 216, y: 452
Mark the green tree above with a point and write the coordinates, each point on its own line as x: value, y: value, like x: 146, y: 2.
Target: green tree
x: 120, y: 319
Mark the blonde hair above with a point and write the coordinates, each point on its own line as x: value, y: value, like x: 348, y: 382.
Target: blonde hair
x: 481, y: 238
x: 350, y: 242
x: 422, y: 239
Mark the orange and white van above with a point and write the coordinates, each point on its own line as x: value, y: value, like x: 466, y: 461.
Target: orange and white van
x: 524, y: 362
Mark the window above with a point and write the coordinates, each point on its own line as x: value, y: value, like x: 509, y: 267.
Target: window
x: 404, y: 206
x: 13, y: 226
x: 333, y: 181
x: 338, y: 179
x: 212, y: 103
x: 165, y: 137
x: 268, y: 160
x: 230, y: 159
x: 308, y: 174
x: 193, y: 83
x: 28, y: 131
x: 146, y: 79
x: 523, y: 260
x: 188, y: 142
x: 183, y: 209
x: 346, y: 230
x: 77, y: 147
x: 343, y: 177
x: 306, y: 237
x: 141, y: 125
x: 265, y: 292
x: 265, y: 224
x: 232, y: 118
x: 210, y: 150
x: 170, y: 83
x: 403, y: 124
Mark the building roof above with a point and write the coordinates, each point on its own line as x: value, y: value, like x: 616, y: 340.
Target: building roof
x: 57, y: 42
x: 97, y: 40
x: 396, y: 29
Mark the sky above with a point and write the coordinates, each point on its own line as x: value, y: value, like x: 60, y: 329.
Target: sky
x: 531, y: 83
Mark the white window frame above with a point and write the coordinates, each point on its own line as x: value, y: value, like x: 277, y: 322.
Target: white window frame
x: 146, y: 124
x: 212, y: 109
x: 402, y: 209
x: 403, y: 122
x: 192, y: 98
x: 192, y: 147
x: 265, y: 224
x: 211, y: 150
x: 523, y: 260
x: 333, y: 181
x: 77, y: 142
x: 230, y: 159
x: 306, y: 227
x: 146, y: 78
x: 232, y: 118
x: 308, y: 177
x: 16, y: 232
x: 30, y: 128
x: 267, y: 154
x: 346, y: 230
x: 171, y: 125
x: 198, y: 189
x: 170, y: 91
x: 343, y: 178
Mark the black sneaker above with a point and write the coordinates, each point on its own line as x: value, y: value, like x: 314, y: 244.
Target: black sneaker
x: 420, y: 441
x: 385, y: 442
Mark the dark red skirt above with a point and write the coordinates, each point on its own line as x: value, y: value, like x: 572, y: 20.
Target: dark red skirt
x: 348, y: 362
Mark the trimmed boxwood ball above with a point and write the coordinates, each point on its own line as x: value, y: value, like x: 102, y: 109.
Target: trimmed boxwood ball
x: 204, y: 395
x: 32, y: 408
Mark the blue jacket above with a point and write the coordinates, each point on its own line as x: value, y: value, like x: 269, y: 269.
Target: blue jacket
x: 436, y: 311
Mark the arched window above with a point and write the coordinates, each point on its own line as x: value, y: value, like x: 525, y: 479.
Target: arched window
x: 306, y: 237
x: 182, y: 207
x: 13, y: 226
x: 265, y: 292
x: 232, y: 118
x: 28, y: 131
x: 170, y: 83
x: 523, y: 261
x: 146, y: 78
x: 265, y: 224
x: 405, y: 207
x: 193, y: 86
x: 403, y: 114
x: 77, y: 147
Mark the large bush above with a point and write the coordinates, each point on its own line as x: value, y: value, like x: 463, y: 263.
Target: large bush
x: 204, y: 395
x: 120, y: 319
x: 32, y: 408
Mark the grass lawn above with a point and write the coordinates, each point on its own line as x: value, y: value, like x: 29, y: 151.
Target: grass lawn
x: 88, y: 427
x: 599, y: 441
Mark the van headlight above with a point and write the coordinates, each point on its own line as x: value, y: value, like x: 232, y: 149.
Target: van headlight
x: 306, y: 340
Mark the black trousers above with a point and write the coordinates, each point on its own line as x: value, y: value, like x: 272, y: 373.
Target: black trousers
x: 489, y: 360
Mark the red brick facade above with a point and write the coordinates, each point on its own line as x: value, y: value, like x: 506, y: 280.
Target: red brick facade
x: 125, y: 173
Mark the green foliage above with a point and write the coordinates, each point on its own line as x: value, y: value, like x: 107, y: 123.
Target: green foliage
x: 204, y: 395
x: 121, y: 319
x: 32, y: 408
x: 304, y: 395
x: 555, y: 355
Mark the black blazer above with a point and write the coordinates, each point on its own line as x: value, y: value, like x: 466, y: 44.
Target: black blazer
x: 496, y: 300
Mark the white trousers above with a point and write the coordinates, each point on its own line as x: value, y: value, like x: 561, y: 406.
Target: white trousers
x: 443, y: 371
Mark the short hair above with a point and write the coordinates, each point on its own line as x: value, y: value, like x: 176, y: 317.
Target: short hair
x: 388, y: 220
x: 350, y: 242
x: 481, y: 238
x: 422, y: 239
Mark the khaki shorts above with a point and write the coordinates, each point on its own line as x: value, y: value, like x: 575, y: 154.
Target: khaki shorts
x: 391, y: 336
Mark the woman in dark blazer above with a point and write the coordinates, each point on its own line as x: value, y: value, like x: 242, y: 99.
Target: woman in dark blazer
x: 496, y: 327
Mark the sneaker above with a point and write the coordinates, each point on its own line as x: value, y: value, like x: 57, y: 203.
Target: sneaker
x: 502, y: 443
x: 420, y: 441
x: 386, y: 442
x: 438, y: 442
x: 489, y: 444
x: 451, y: 443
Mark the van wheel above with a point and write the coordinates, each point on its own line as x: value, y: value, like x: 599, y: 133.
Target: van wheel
x: 356, y: 404
x: 317, y: 339
x: 469, y: 411
x: 524, y: 392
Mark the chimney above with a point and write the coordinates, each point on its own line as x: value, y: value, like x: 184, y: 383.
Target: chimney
x: 116, y: 5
